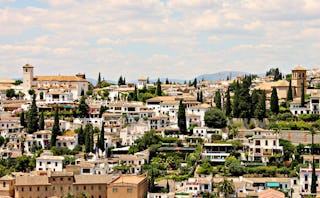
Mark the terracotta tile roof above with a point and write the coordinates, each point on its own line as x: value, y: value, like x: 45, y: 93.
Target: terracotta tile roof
x: 60, y: 78
x: 298, y: 68
x: 31, y: 180
x: 27, y: 66
x: 129, y: 179
x: 92, y: 179
x: 270, y: 193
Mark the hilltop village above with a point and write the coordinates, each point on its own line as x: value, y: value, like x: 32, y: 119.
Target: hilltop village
x: 252, y: 136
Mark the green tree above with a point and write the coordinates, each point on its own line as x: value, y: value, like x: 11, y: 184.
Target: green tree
x: 135, y: 94
x: 120, y: 81
x: 195, y: 83
x: 313, y: 132
x: 55, y: 128
x: 215, y: 118
x: 159, y: 91
x: 22, y: 119
x: 182, y: 123
x: 32, y: 117
x: 101, y: 139
x: 260, y: 109
x: 235, y: 103
x: 10, y: 93
x: 167, y: 81
x: 17, y: 82
x: 88, y: 132
x: 41, y: 121
x: 226, y: 187
x: 234, y: 166
x: 83, y: 108
x: 289, y: 93
x: 228, y: 103
x: 98, y: 85
x: 217, y: 99
x: 274, y: 103
x: 302, y: 95
x: 81, y: 136
x: 245, y: 99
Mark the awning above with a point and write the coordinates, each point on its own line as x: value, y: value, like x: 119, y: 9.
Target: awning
x: 273, y: 184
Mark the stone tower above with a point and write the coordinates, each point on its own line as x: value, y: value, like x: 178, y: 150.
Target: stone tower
x: 299, y: 76
x: 27, y: 77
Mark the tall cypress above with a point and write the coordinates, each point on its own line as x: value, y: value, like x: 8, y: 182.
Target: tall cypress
x: 235, y: 103
x: 83, y: 108
x: 55, y: 128
x: 88, y: 132
x: 217, y: 99
x: 245, y: 99
x: 201, y: 97
x: 274, y: 103
x: 182, y: 124
x: 81, y: 136
x: 135, y: 94
x: 33, y: 119
x: 159, y: 91
x: 101, y: 139
x: 289, y: 93
x: 41, y: 121
x: 195, y: 83
x: 260, y: 108
x: 22, y: 119
x: 99, y: 81
x: 302, y: 95
x: 228, y: 103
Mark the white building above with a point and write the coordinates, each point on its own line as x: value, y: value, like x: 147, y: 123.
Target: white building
x: 216, y: 152
x: 305, y: 180
x: 48, y: 162
x: 198, y: 110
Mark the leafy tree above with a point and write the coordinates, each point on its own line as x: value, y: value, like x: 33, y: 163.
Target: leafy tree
x: 102, y: 110
x: 83, y: 108
x: 31, y: 92
x: 302, y: 95
x: 217, y: 99
x: 159, y: 91
x: 182, y: 123
x: 32, y: 117
x: 10, y: 93
x: 55, y: 128
x: 289, y: 93
x: 226, y: 187
x: 228, y: 103
x: 205, y: 169
x: 41, y: 121
x: 274, y: 103
x: 215, y: 118
x: 234, y: 166
x: 22, y: 119
x: 17, y: 82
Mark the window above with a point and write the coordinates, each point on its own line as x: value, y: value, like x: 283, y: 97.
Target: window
x: 30, y: 189
x: 114, y: 190
x: 92, y: 187
x: 48, y: 162
x: 38, y: 188
x: 40, y: 163
x: 77, y: 188
x: 266, y: 143
x: 306, y: 178
x: 53, y: 188
x: 84, y: 187
x: 22, y: 189
x: 61, y: 188
x: 61, y: 179
x: 56, y: 163
x: 46, y: 188
x: 99, y: 187
x: 4, y: 184
x: 129, y: 190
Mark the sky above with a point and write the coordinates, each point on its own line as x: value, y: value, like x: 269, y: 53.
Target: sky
x: 157, y: 38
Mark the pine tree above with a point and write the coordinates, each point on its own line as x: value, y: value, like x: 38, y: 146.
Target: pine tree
x: 99, y: 81
x: 159, y: 91
x: 302, y: 95
x: 217, y: 99
x: 101, y: 139
x: 274, y: 102
x: 182, y: 117
x: 228, y: 103
x: 41, y: 121
x: 33, y: 119
x: 235, y: 103
x: 22, y: 119
x: 55, y: 128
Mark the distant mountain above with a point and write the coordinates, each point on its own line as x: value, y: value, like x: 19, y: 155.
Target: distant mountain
x: 221, y: 75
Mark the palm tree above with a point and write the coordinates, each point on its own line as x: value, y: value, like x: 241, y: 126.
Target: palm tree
x: 226, y: 187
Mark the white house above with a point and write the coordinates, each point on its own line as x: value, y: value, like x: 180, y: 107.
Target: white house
x: 305, y: 180
x: 48, y: 162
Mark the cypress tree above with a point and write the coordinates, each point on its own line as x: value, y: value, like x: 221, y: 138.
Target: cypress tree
x: 228, y: 103
x: 88, y: 132
x: 201, y: 97
x: 33, y: 119
x: 41, y: 121
x: 195, y: 83
x: 135, y: 94
x: 289, y: 93
x: 55, y: 128
x: 260, y: 108
x: 245, y: 99
x: 235, y: 103
x: 22, y: 119
x: 274, y: 103
x: 81, y: 136
x: 101, y: 139
x: 217, y: 99
x: 182, y: 124
x: 302, y: 95
x: 159, y: 91
x: 83, y: 108
x: 167, y: 81
x: 99, y: 81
